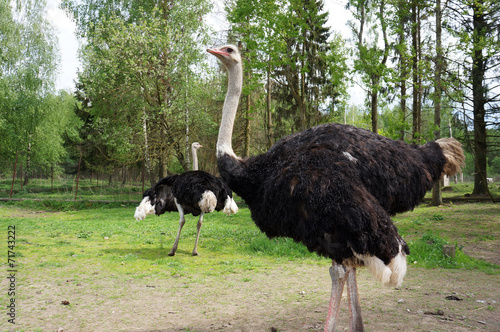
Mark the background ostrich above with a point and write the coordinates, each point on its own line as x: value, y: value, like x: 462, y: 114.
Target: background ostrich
x: 333, y: 188
x: 194, y: 192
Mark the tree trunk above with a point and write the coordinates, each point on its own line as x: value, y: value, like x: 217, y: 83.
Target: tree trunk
x: 78, y: 175
x: 374, y: 110
x: 415, y: 76
x: 479, y: 101
x: 147, y: 160
x: 28, y: 161
x: 436, y: 190
x: 419, y: 74
x: 403, y: 99
x: 305, y: 116
x: 162, y: 169
x: 13, y: 176
x: 268, y: 109
x: 124, y: 175
x: 188, y: 147
x: 247, y: 127
x: 402, y: 67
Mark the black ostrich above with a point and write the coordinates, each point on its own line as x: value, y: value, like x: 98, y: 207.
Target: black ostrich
x: 195, y: 192
x: 333, y: 188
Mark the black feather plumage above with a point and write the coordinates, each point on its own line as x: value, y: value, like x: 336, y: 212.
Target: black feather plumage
x: 187, y: 188
x: 194, y: 192
x: 333, y: 187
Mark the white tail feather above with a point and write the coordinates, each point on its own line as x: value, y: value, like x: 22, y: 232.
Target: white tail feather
x: 389, y: 275
x: 398, y: 268
x: 208, y: 202
x: 230, y: 206
x: 144, y: 209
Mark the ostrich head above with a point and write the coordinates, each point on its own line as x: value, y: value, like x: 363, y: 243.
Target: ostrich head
x: 196, y: 145
x: 227, y: 54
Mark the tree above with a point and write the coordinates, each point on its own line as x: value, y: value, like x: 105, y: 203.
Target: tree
x: 303, y: 70
x: 399, y: 25
x: 30, y: 81
x: 475, y: 24
x: 287, y: 44
x: 371, y: 59
x: 138, y: 68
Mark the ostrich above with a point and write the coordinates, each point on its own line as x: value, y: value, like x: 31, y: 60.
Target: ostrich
x: 195, y: 192
x: 333, y: 188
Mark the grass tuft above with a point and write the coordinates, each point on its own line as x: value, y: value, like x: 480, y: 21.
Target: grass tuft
x: 427, y: 251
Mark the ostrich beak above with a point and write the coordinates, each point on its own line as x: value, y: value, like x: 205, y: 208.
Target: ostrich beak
x: 216, y: 52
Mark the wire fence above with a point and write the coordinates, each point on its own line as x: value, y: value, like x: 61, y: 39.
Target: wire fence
x: 71, y: 188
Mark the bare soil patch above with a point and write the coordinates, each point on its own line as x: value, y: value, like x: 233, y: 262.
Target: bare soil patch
x: 291, y: 297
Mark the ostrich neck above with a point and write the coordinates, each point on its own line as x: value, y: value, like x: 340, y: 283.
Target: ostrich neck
x: 195, y: 158
x: 224, y: 145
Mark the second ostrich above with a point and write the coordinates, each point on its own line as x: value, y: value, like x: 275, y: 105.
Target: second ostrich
x: 333, y: 188
x: 195, y: 192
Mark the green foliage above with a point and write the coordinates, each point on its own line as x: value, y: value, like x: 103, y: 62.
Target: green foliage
x: 427, y: 251
x: 33, y: 120
x: 142, y: 73
x: 495, y: 166
x: 288, y: 42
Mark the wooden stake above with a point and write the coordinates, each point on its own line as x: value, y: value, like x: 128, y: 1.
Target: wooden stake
x: 449, y: 251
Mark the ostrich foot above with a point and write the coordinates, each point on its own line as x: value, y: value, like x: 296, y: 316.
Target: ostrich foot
x: 172, y: 253
x: 195, y: 253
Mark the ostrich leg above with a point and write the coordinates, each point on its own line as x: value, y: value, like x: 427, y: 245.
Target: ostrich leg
x: 338, y: 274
x: 198, y: 228
x: 182, y: 221
x: 356, y: 321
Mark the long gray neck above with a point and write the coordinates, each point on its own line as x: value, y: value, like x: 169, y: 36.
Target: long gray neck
x: 195, y: 158
x: 235, y: 84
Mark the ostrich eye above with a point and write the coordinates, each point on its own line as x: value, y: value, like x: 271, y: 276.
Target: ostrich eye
x: 229, y: 50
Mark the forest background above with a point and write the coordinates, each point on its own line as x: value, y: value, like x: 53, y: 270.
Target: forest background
x: 147, y: 89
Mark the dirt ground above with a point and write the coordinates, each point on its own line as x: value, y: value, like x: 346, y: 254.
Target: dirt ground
x: 291, y: 297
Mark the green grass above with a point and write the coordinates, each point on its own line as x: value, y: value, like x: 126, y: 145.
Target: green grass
x: 104, y: 235
x: 427, y: 229
x: 71, y: 234
x: 427, y: 251
x: 110, y: 238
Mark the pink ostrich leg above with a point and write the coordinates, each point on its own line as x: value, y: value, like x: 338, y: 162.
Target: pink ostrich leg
x: 338, y: 274
x: 356, y: 321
